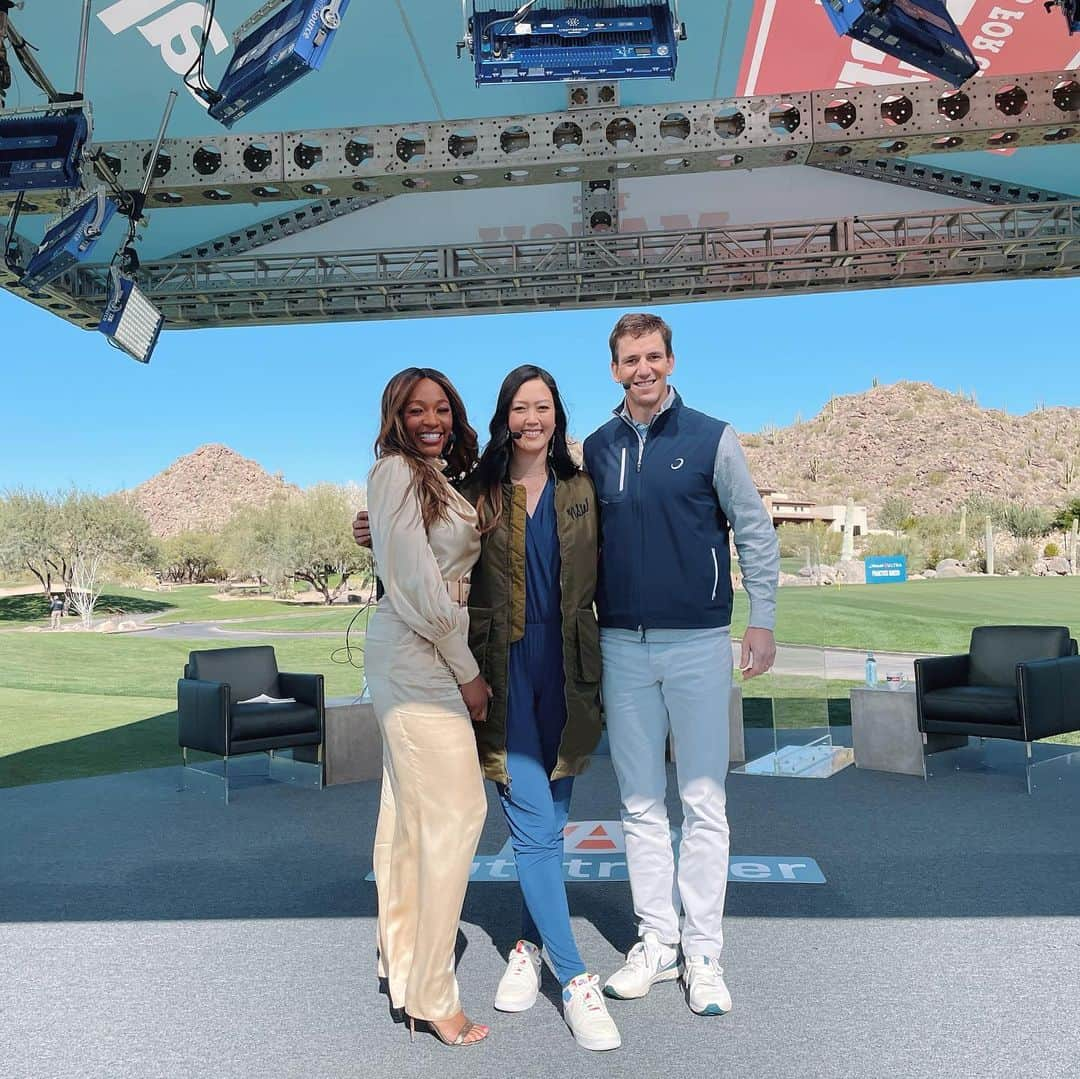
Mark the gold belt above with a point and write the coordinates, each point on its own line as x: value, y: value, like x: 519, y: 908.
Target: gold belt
x: 458, y: 591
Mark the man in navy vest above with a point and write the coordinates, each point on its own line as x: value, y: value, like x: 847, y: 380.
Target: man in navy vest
x: 673, y: 484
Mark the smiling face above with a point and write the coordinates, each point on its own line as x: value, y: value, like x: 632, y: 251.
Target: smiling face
x: 642, y: 365
x: 532, y: 412
x: 428, y: 418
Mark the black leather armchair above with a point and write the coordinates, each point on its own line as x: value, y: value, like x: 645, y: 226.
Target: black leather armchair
x: 212, y: 716
x: 1016, y: 682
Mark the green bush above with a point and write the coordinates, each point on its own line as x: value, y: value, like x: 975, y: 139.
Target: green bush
x: 895, y: 513
x: 1021, y: 558
x: 814, y: 541
x: 911, y: 546
x: 1065, y: 515
x: 982, y: 506
x: 940, y: 537
x: 1027, y: 522
x: 1051, y: 550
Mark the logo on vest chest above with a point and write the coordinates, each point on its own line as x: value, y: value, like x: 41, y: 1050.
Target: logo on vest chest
x: 578, y: 510
x: 677, y: 464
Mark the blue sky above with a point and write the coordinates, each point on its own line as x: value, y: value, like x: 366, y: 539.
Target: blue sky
x: 304, y: 400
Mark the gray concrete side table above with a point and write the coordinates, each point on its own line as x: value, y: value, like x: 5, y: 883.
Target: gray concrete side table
x: 353, y: 742
x: 885, y: 730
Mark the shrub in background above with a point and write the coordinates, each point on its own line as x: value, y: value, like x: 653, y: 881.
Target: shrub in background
x: 814, y: 541
x: 909, y: 545
x: 1021, y: 558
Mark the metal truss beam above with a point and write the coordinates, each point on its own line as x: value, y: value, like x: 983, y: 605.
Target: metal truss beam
x: 945, y: 181
x: 259, y: 233
x: 848, y: 253
x: 604, y: 141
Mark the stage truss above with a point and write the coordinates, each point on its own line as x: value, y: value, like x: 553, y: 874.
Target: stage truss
x: 597, y: 142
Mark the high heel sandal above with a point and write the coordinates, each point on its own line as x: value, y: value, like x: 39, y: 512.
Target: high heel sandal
x: 427, y: 1026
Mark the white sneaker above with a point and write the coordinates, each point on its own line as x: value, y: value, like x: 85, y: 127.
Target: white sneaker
x: 587, y: 1016
x: 648, y: 962
x: 706, y: 992
x: 520, y: 983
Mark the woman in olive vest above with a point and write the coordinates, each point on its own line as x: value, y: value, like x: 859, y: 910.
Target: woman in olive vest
x: 534, y: 635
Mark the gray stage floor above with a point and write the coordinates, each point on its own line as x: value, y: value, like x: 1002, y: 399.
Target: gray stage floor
x: 146, y: 933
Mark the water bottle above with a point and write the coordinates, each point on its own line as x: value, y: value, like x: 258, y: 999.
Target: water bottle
x: 871, y: 669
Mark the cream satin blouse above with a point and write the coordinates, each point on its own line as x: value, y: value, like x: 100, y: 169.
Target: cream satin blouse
x: 413, y: 562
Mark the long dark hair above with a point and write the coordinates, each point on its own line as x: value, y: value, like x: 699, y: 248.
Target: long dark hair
x: 494, y: 467
x: 394, y: 439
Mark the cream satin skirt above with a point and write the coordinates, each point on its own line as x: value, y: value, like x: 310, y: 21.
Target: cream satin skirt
x: 431, y: 814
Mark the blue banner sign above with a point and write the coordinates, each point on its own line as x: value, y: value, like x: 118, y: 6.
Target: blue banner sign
x: 886, y: 569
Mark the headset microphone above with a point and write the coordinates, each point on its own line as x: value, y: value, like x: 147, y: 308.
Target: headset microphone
x: 515, y: 435
x: 627, y: 384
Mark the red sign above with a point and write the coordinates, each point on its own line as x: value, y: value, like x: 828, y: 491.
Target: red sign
x: 800, y: 50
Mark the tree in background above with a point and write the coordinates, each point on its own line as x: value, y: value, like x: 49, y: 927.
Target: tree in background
x: 813, y: 543
x: 252, y: 546
x: 48, y: 533
x: 321, y: 544
x: 306, y: 537
x: 87, y: 582
x: 895, y: 514
x: 193, y: 557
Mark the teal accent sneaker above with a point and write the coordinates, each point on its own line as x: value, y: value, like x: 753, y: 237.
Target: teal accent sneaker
x: 648, y: 962
x: 706, y: 992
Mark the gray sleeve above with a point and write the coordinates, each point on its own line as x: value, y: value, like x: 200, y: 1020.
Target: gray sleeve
x: 755, y: 537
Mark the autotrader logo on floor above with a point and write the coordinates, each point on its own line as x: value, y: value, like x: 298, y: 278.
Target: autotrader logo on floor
x: 595, y: 852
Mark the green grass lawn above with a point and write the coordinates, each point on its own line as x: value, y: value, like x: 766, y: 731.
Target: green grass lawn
x: 76, y: 704
x: 84, y: 704
x: 918, y: 616
x: 325, y: 620
x: 185, y: 603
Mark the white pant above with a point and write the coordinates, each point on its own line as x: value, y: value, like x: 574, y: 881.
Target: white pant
x: 686, y: 686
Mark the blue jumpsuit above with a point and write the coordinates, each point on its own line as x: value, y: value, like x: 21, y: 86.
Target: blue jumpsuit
x: 536, y: 808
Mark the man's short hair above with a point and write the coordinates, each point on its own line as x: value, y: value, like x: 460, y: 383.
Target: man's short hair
x: 638, y: 324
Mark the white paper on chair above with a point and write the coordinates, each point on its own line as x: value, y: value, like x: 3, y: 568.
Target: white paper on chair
x: 265, y: 698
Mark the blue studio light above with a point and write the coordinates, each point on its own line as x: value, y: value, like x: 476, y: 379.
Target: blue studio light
x: 40, y: 149
x: 276, y: 54
x: 919, y: 32
x: 130, y: 321
x: 70, y: 240
x: 520, y: 42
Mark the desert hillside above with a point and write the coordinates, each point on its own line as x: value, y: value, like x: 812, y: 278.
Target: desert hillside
x: 923, y: 443
x: 199, y: 492
x: 911, y: 439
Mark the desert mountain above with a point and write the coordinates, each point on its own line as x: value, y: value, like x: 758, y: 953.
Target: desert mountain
x: 912, y: 439
x: 202, y: 490
x: 931, y: 446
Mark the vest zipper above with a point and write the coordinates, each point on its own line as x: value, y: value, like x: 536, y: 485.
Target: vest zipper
x: 622, y: 472
x: 638, y: 499
x: 716, y: 574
